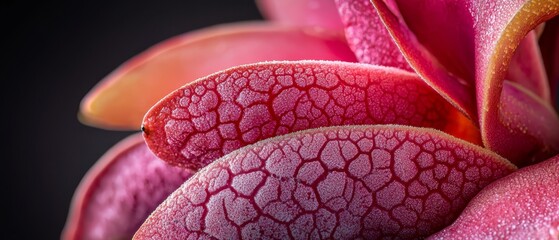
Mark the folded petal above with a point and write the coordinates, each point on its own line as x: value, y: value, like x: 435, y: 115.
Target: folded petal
x: 478, y: 53
x: 120, y: 191
x: 530, y: 123
x: 305, y: 13
x: 367, y: 36
x: 522, y: 205
x: 497, y: 51
x: 447, y: 75
x: 215, y: 115
x: 549, y: 45
x: 527, y: 68
x: 121, y: 99
x: 366, y: 182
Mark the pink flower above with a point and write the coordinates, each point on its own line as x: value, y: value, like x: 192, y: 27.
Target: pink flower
x: 334, y: 119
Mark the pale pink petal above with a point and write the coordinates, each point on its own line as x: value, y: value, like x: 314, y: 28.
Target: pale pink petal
x: 304, y: 13
x: 522, y: 205
x: 367, y: 36
x: 204, y: 120
x: 121, y: 99
x: 350, y: 182
x: 120, y: 191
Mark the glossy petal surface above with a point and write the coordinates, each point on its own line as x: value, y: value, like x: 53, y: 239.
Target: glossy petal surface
x: 304, y: 13
x: 120, y: 191
x: 340, y: 182
x: 121, y: 99
x: 220, y: 113
x: 522, y: 205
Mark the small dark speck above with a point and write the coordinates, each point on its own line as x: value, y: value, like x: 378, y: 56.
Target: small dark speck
x: 143, y: 128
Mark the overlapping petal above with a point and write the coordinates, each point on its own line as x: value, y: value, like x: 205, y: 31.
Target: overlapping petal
x: 121, y: 99
x: 217, y: 114
x: 344, y: 182
x: 367, y: 36
x: 306, y: 13
x: 473, y: 58
x: 120, y: 191
x: 522, y: 205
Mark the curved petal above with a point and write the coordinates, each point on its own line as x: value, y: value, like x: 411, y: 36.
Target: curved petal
x: 350, y: 182
x: 367, y: 36
x: 120, y: 191
x: 522, y: 205
x: 305, y: 13
x: 204, y: 120
x: 549, y: 45
x: 527, y: 69
x: 522, y: 112
x: 478, y: 52
x: 495, y: 52
x: 121, y: 99
x: 456, y: 88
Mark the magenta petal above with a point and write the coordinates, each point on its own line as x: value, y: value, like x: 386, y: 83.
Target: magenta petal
x: 306, y: 13
x: 120, y: 191
x: 457, y: 89
x: 522, y: 205
x: 527, y: 68
x: 330, y: 183
x: 367, y: 36
x: 531, y: 123
x: 496, y: 40
x: 549, y: 45
x: 478, y: 53
x: 217, y: 114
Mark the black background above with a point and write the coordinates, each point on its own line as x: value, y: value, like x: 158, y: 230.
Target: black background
x: 53, y: 54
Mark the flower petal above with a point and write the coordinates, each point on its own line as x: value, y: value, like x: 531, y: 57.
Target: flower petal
x: 522, y: 205
x: 306, y: 13
x: 367, y: 36
x: 549, y: 45
x: 527, y: 69
x: 330, y: 183
x: 522, y: 112
x: 120, y: 191
x: 497, y: 53
x: 457, y: 87
x: 479, y: 52
x: 204, y: 120
x: 122, y: 98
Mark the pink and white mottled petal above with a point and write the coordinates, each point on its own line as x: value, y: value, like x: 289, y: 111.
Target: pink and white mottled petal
x: 121, y: 99
x: 206, y: 119
x: 304, y: 13
x: 120, y: 191
x: 522, y: 205
x: 496, y: 41
x: 367, y: 36
x: 522, y: 112
x: 347, y: 182
x: 527, y: 68
x: 453, y: 87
